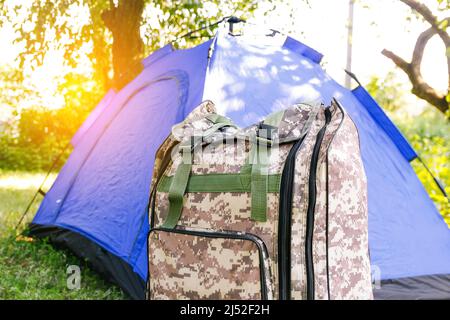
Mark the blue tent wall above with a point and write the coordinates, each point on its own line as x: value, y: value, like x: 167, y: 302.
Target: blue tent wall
x: 408, y: 237
x: 93, y: 116
x: 102, y: 192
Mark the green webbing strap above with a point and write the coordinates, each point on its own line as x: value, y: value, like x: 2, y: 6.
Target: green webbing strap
x: 215, y: 128
x: 257, y: 164
x: 178, y: 188
x: 181, y: 178
x: 220, y: 182
x: 259, y: 183
x: 216, y: 118
x: 176, y: 193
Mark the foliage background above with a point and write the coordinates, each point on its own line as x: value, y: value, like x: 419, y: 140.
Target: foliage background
x: 427, y: 132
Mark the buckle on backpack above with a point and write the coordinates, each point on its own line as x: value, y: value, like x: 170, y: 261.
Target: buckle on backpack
x: 266, y: 134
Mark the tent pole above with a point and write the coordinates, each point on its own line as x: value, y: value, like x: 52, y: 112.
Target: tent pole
x: 438, y: 182
x: 39, y: 190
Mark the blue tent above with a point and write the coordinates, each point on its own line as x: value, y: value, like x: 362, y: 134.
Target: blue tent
x: 97, y: 206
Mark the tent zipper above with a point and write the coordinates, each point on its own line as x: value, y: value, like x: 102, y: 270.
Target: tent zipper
x: 312, y: 193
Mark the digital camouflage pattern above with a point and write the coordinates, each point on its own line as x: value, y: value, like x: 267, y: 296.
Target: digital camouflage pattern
x: 186, y: 266
x: 229, y: 216
x: 349, y: 265
x: 164, y: 152
x: 199, y: 267
x: 299, y: 208
x: 320, y: 233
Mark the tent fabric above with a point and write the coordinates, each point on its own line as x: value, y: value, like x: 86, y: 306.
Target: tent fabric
x: 384, y: 122
x: 102, y: 192
x: 303, y: 50
x: 431, y: 287
x: 98, y: 110
x: 158, y: 54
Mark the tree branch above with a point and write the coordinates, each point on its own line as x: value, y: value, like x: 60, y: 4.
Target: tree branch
x: 399, y: 62
x: 426, y: 13
x: 412, y: 69
x: 420, y: 87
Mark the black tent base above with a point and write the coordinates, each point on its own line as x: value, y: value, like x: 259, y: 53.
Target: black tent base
x: 119, y: 272
x: 109, y: 266
x: 429, y: 287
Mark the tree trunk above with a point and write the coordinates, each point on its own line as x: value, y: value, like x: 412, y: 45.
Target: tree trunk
x: 124, y: 21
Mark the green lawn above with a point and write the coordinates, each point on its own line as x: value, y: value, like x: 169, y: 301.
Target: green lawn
x: 33, y: 269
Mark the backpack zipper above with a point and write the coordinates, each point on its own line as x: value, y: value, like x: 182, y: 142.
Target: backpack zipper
x: 285, y: 215
x: 284, y: 222
x: 312, y: 193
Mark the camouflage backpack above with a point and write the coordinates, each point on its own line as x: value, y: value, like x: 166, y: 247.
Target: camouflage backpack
x: 277, y: 210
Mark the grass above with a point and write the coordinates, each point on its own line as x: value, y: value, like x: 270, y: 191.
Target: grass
x: 33, y: 269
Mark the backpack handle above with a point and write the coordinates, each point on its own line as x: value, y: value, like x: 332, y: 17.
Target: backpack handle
x: 181, y: 178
